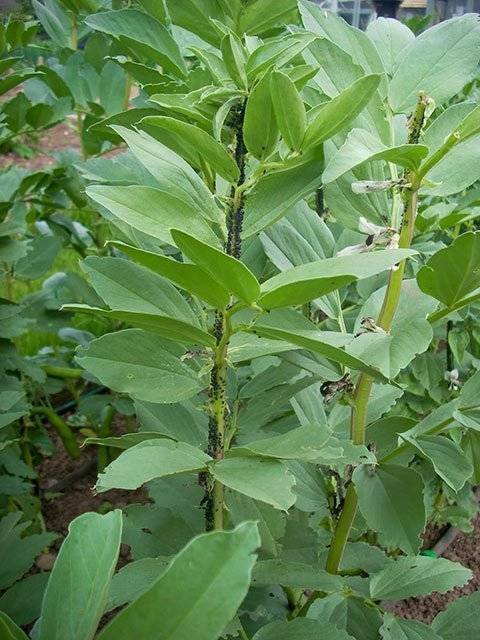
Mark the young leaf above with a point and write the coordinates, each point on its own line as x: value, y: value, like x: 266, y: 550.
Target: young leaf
x: 399, y: 629
x: 193, y: 144
x: 260, y: 130
x: 142, y: 33
x: 149, y: 460
x: 451, y: 274
x: 269, y: 481
x: 235, y: 59
x: 277, y: 52
x: 309, y: 281
x: 142, y: 364
x: 77, y: 590
x: 185, y: 275
x: 417, y: 576
x: 460, y: 620
x: 276, y: 193
x: 361, y: 146
x: 289, y: 110
x: 452, y: 45
x: 259, y: 16
x: 213, y: 569
x: 228, y: 271
x: 341, y: 110
x: 391, y: 501
x: 447, y: 458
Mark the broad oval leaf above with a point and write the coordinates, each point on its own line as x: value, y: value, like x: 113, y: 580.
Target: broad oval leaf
x: 266, y: 480
x: 309, y: 281
x: 417, y: 576
x: 451, y: 274
x: 149, y: 460
x: 77, y: 590
x: 260, y: 130
x: 151, y: 211
x: 142, y: 364
x: 301, y: 629
x: 452, y: 45
x: 213, y: 568
x: 400, y: 629
x: 391, y: 501
x: 460, y: 620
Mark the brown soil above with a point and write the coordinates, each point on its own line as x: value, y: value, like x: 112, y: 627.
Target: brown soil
x: 62, y: 136
x: 465, y: 549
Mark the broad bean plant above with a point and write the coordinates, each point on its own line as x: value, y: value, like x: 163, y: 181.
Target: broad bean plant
x: 291, y: 282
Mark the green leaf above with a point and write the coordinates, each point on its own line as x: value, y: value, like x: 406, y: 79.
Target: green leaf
x: 277, y: 52
x: 77, y: 590
x: 295, y: 575
x: 260, y: 130
x: 391, y: 38
x: 212, y: 568
x: 148, y: 460
x: 361, y: 146
x: 309, y: 281
x: 259, y: 16
x: 151, y: 211
x: 196, y: 17
x: 350, y: 613
x: 226, y: 270
x: 289, y: 109
x: 417, y: 576
x: 341, y: 110
x: 172, y: 173
x: 184, y: 422
x: 410, y: 333
x: 391, y: 501
x: 23, y: 601
x: 9, y: 630
x: 400, y: 629
x: 193, y: 144
x: 170, y: 328
x: 460, y: 619
x: 235, y: 59
x: 143, y: 34
x: 451, y: 274
x: 16, y: 553
x: 452, y: 45
x: 269, y: 481
x: 290, y: 326
x: 469, y: 126
x: 142, y: 364
x: 301, y: 629
x: 55, y: 22
x: 276, y: 193
x: 447, y: 458
x: 303, y: 443
x: 124, y: 285
x: 185, y: 275
x: 133, y: 580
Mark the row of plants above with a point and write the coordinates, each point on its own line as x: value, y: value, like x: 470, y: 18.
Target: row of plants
x: 277, y: 286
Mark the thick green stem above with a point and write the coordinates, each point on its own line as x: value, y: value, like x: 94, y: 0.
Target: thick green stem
x: 61, y: 427
x: 62, y: 372
x: 361, y: 396
x: 214, y: 494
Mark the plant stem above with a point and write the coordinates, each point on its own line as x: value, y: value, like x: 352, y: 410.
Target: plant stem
x: 61, y: 427
x: 214, y: 491
x: 361, y: 396
x: 103, y: 432
x: 62, y: 372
